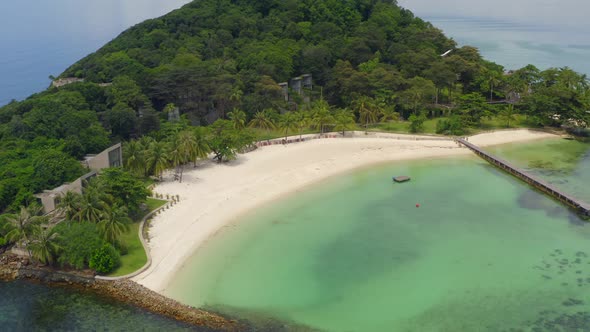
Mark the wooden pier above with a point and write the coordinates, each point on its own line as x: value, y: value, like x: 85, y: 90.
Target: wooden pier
x: 575, y: 203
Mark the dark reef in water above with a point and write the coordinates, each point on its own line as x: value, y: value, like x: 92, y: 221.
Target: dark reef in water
x: 29, y: 306
x: 569, y: 269
x: 126, y: 291
x: 550, y: 321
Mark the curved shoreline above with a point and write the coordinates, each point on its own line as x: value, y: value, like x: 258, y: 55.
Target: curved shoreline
x: 212, y: 196
x: 14, y: 268
x: 145, y: 246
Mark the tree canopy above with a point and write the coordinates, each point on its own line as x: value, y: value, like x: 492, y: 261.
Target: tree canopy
x: 222, y: 60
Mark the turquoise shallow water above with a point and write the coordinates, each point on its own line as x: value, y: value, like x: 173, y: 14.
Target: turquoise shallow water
x: 563, y: 163
x: 483, y: 252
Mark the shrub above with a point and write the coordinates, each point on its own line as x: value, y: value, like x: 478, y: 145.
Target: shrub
x: 417, y: 123
x: 79, y: 241
x: 450, y: 126
x: 122, y: 247
x: 105, y: 259
x: 126, y: 190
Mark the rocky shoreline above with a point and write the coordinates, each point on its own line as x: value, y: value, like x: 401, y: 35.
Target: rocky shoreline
x: 17, y: 268
x: 14, y: 268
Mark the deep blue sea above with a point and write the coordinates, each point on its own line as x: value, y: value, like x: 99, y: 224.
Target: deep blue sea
x: 514, y: 33
x: 39, y: 38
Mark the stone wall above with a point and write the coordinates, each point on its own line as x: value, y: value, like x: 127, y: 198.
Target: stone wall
x: 16, y: 268
x: 9, y: 267
x: 133, y: 293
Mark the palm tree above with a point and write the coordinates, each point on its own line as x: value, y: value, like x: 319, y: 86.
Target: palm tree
x: 493, y: 80
x: 262, y: 120
x: 177, y: 159
x: 389, y: 114
x: 145, y: 142
x: 508, y: 114
x: 157, y: 158
x: 303, y: 121
x: 113, y: 222
x: 288, y: 123
x: 44, y: 246
x: 186, y: 143
x: 368, y: 111
x: 5, y: 227
x: 135, y: 157
x: 238, y: 117
x: 69, y: 204
x: 93, y: 203
x: 96, y: 187
x: 568, y: 77
x: 22, y: 225
x: 201, y: 148
x: 321, y: 116
x: 236, y: 95
x: 344, y: 120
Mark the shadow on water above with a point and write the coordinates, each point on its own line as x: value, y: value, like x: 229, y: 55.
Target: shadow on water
x: 26, y: 306
x: 260, y: 321
x: 373, y: 247
x: 534, y: 200
x: 32, y: 307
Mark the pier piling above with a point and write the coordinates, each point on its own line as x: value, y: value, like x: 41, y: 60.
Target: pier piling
x: 573, y: 202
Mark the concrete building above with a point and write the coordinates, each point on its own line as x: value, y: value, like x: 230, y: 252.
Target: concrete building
x: 306, y: 80
x: 296, y: 85
x: 174, y: 115
x: 302, y: 85
x: 111, y: 157
x: 50, y: 198
x: 285, y: 90
x: 65, y: 81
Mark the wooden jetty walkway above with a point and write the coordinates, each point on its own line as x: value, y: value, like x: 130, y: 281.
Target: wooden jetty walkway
x: 575, y: 203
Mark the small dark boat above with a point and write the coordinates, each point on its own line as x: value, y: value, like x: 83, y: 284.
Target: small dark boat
x: 401, y: 178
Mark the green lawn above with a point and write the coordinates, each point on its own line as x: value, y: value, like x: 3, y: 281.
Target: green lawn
x: 519, y: 121
x: 136, y: 256
x: 403, y: 127
x: 154, y: 203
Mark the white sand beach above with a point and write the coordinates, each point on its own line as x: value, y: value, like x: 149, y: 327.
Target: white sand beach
x: 213, y: 195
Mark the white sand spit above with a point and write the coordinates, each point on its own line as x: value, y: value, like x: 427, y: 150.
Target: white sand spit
x: 212, y: 195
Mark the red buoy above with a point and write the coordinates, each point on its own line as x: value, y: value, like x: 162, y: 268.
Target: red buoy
x: 417, y: 205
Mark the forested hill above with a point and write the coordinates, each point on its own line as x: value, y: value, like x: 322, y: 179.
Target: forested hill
x: 216, y: 55
x: 371, y: 61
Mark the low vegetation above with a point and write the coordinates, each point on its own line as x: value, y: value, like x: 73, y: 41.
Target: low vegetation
x: 92, y: 234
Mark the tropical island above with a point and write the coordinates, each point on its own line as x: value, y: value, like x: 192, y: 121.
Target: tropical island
x: 206, y: 102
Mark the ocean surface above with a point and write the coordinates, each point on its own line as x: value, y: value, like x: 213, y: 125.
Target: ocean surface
x: 515, y: 33
x: 32, y: 307
x: 481, y: 252
x: 41, y: 38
